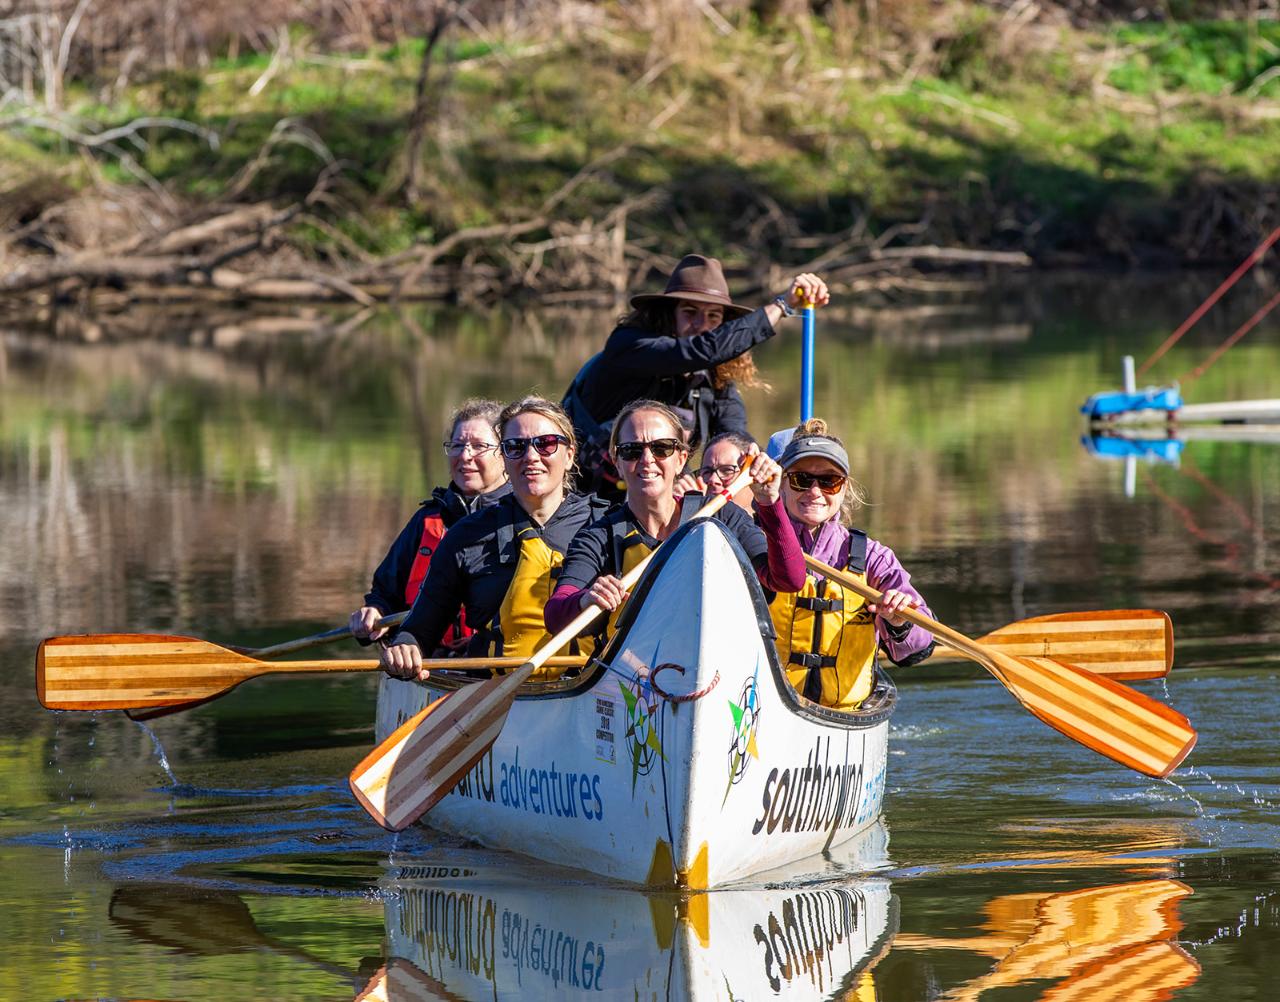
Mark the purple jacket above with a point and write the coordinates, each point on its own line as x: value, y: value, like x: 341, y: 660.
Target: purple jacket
x: 884, y: 571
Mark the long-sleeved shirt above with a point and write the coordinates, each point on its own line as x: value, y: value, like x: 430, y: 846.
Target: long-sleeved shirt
x: 771, y: 546
x: 636, y: 364
x: 884, y: 571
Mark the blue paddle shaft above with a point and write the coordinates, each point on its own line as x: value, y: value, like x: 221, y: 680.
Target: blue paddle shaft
x: 806, y: 366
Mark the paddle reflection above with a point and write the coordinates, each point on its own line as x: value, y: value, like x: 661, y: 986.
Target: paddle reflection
x: 1100, y: 943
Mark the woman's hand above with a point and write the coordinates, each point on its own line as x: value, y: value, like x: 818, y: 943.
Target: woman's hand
x: 891, y: 604
x: 362, y: 621
x: 807, y: 290
x: 606, y: 591
x: 766, y: 480
x: 688, y: 483
x: 403, y: 659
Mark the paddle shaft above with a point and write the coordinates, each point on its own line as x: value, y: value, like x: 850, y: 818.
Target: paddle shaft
x: 806, y: 365
x: 316, y: 639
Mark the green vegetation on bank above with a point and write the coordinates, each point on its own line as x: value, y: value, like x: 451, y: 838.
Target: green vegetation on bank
x: 1134, y: 142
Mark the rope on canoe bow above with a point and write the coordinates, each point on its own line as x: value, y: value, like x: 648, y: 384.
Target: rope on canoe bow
x: 688, y: 697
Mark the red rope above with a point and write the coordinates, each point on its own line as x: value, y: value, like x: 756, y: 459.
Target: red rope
x: 1221, y: 350
x: 1217, y: 294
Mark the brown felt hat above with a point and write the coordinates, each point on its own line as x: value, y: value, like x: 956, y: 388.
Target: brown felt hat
x: 700, y: 280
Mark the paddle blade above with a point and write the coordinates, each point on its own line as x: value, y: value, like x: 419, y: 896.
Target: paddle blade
x: 119, y: 671
x: 426, y: 756
x: 1123, y: 644
x: 1114, y: 720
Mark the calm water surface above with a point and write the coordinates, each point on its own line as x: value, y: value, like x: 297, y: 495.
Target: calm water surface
x: 238, y: 481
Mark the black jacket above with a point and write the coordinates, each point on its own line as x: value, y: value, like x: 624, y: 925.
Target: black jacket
x: 471, y: 571
x: 637, y: 364
x: 392, y: 576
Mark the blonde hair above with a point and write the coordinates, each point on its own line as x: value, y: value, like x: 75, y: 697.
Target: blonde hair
x: 553, y: 412
x: 740, y: 370
x: 661, y: 409
x: 855, y: 495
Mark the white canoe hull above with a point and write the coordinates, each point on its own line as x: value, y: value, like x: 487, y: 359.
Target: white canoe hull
x: 627, y: 772
x: 484, y: 931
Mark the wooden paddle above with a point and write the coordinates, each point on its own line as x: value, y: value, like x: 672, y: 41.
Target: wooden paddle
x: 426, y: 756
x: 1126, y: 645
x: 122, y: 671
x: 316, y: 639
x: 1101, y: 714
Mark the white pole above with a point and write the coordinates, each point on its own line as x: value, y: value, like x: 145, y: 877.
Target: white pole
x: 1130, y: 381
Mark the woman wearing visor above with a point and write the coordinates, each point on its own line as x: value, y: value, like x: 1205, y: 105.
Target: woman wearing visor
x: 828, y: 636
x: 499, y: 565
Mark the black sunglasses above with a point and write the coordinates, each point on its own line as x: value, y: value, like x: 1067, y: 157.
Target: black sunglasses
x: 662, y: 448
x: 828, y: 483
x: 515, y: 448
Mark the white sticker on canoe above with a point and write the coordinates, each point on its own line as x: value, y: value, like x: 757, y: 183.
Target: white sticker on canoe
x: 606, y: 714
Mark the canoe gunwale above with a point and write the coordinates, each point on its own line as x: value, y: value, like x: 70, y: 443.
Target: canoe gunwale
x: 876, y: 709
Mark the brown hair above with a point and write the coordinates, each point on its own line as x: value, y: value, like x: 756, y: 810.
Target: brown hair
x: 743, y: 442
x: 473, y: 409
x: 855, y: 495
x: 670, y: 416
x: 660, y: 318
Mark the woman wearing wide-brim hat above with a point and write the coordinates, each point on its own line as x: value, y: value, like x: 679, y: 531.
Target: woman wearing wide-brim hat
x: 687, y: 347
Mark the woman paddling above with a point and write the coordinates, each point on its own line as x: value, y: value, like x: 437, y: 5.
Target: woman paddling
x: 649, y: 449
x: 827, y: 635
x: 721, y: 460
x: 687, y: 347
x: 477, y: 479
x: 499, y: 564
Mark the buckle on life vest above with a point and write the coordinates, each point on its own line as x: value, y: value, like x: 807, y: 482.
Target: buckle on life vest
x: 812, y: 660
x: 816, y: 604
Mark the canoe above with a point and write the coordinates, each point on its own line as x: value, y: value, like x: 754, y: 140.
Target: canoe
x: 470, y: 927
x: 681, y: 756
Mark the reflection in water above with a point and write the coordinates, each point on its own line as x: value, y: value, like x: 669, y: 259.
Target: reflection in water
x: 239, y: 480
x: 473, y: 933
x: 1104, y: 943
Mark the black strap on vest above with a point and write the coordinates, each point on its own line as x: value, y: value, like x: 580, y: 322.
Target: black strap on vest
x: 857, y: 563
x: 623, y: 534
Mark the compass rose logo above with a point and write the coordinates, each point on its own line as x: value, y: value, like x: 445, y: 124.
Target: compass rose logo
x: 746, y: 720
x: 641, y: 737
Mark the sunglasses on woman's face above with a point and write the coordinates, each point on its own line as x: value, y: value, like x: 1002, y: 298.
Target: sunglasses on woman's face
x: 828, y: 483
x: 633, y: 452
x: 515, y: 448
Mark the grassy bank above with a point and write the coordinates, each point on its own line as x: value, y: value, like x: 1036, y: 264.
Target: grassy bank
x: 1151, y: 143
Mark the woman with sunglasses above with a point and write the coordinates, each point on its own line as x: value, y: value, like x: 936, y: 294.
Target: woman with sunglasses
x: 722, y: 459
x: 477, y: 479
x: 827, y: 635
x: 499, y: 565
x: 689, y: 347
x: 649, y: 449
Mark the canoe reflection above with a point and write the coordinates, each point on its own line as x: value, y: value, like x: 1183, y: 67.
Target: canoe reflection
x: 1100, y: 943
x: 461, y: 932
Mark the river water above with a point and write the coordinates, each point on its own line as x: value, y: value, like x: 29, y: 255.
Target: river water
x: 237, y: 480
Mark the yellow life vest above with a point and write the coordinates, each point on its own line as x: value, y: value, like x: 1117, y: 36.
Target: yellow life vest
x: 630, y: 546
x: 827, y: 636
x: 518, y: 629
